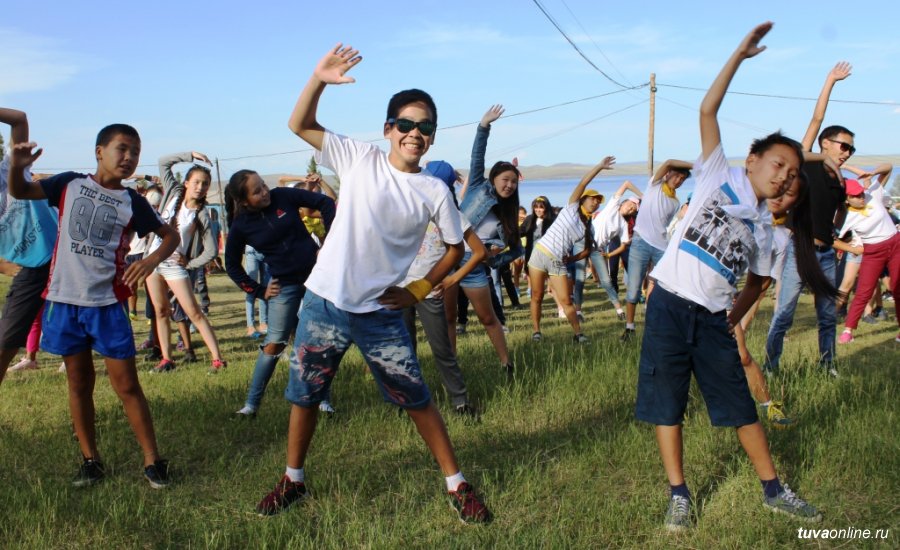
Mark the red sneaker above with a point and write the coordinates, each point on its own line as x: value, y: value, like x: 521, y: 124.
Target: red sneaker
x: 217, y: 366
x: 468, y: 505
x: 285, y: 494
x: 165, y: 365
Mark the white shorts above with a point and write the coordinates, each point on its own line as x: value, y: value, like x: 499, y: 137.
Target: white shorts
x: 171, y: 270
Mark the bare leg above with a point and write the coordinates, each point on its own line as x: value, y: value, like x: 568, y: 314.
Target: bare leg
x: 481, y: 301
x: 124, y: 380
x: 156, y: 287
x: 300, y: 433
x: 753, y: 439
x: 81, y: 379
x: 185, y: 296
x: 560, y: 287
x: 537, y: 278
x: 434, y: 432
x: 670, y: 450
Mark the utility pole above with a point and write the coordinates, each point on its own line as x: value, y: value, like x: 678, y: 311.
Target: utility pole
x: 652, y: 123
x: 222, y: 222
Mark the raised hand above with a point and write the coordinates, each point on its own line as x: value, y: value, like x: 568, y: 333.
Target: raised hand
x: 21, y: 155
x: 492, y: 114
x: 201, y: 157
x: 840, y: 71
x: 333, y: 67
x: 750, y: 46
x: 608, y: 162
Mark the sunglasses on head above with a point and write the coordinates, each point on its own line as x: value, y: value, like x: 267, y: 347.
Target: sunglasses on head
x: 844, y: 145
x: 405, y: 126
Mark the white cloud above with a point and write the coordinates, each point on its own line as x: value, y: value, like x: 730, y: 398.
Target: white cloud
x: 35, y: 63
x: 897, y: 111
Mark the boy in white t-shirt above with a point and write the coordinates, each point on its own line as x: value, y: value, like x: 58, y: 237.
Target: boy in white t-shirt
x: 89, y: 284
x: 352, y: 295
x: 723, y: 237
x: 658, y: 206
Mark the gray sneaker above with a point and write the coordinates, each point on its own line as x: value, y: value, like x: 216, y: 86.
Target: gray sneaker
x: 786, y: 502
x: 678, y: 514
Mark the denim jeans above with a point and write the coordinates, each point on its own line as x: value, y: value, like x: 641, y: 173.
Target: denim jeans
x: 601, y: 267
x: 256, y: 268
x: 783, y: 318
x: 324, y: 335
x: 641, y: 255
x: 283, y: 311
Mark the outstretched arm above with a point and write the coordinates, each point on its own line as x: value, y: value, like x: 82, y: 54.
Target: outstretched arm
x: 22, y: 156
x: 167, y: 178
x: 839, y: 72
x: 709, y: 108
x: 628, y: 186
x: 330, y: 70
x: 605, y: 164
x: 18, y: 125
x: 670, y: 164
x: 479, y: 146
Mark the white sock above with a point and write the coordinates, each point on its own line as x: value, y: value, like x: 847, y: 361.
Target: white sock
x: 620, y: 310
x: 629, y: 325
x: 295, y: 474
x: 454, y: 481
x: 766, y: 404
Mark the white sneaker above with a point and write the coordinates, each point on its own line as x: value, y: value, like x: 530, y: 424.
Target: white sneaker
x: 325, y: 407
x: 62, y: 367
x: 505, y: 329
x: 24, y: 364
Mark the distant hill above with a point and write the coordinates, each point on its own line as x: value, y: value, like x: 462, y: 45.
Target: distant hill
x: 569, y: 170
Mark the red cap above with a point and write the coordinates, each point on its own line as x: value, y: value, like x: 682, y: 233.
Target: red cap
x: 853, y: 188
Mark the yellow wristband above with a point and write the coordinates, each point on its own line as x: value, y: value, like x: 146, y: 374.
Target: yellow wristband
x: 419, y: 288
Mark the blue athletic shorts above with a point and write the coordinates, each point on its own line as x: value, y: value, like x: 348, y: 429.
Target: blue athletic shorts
x: 681, y: 338
x: 69, y: 329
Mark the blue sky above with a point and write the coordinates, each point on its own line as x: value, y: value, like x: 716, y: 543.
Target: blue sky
x: 222, y: 77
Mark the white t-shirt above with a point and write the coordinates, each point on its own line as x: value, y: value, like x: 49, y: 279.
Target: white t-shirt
x: 567, y: 229
x: 655, y: 214
x: 875, y: 225
x: 714, y: 247
x: 95, y: 227
x: 379, y: 226
x: 430, y: 252
x: 781, y: 238
x: 609, y: 224
x: 186, y: 226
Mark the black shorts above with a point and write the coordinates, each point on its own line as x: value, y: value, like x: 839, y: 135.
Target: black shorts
x: 23, y: 301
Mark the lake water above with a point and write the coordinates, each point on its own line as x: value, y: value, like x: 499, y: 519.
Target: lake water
x: 558, y: 191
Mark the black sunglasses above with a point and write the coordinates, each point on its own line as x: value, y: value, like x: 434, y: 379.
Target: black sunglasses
x: 844, y: 145
x: 405, y: 126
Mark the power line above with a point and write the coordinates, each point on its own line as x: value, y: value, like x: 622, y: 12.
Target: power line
x: 732, y: 121
x: 461, y: 125
x: 574, y: 45
x: 545, y: 137
x: 775, y: 96
x: 586, y: 33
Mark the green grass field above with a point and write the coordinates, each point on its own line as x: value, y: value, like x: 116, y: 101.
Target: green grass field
x: 557, y: 455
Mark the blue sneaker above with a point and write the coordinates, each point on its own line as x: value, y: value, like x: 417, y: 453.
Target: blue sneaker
x: 678, y: 514
x: 786, y: 502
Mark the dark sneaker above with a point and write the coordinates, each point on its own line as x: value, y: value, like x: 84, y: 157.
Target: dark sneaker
x: 189, y: 356
x: 154, y: 354
x: 460, y: 329
x: 580, y: 338
x: 326, y: 407
x: 628, y: 335
x: 468, y: 505
x: 90, y: 473
x: 870, y: 319
x: 536, y: 337
x: 285, y: 494
x: 678, y: 514
x: 165, y: 365
x: 466, y: 411
x: 217, y: 366
x: 158, y: 474
x: 786, y: 502
x: 620, y: 315
x: 510, y: 370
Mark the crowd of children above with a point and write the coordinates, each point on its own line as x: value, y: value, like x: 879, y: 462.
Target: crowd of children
x: 334, y: 275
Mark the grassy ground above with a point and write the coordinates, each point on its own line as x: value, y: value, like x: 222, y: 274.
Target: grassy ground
x: 558, y: 454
